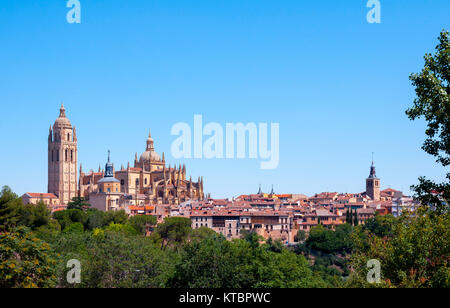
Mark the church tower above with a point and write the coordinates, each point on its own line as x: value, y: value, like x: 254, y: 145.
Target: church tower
x: 373, y: 184
x: 62, y: 159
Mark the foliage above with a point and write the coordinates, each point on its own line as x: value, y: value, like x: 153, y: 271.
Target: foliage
x: 416, y: 255
x: 432, y: 86
x: 380, y: 226
x: 78, y: 203
x: 329, y: 241
x: 142, y: 223
x: 25, y: 261
x: 9, y: 205
x: 114, y: 260
x: 121, y: 228
x: 300, y: 236
x: 76, y: 227
x: 117, y: 217
x: 174, y: 231
x: 218, y: 263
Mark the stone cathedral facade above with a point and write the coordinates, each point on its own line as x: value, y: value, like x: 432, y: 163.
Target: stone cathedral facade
x: 149, y: 181
x: 62, y: 159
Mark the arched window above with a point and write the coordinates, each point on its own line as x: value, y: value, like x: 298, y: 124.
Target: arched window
x: 71, y: 155
x: 66, y: 155
x: 68, y: 136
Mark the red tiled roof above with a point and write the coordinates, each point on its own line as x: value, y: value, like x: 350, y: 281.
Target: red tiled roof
x: 41, y: 195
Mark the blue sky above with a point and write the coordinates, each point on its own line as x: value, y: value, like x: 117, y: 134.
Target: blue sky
x: 337, y: 85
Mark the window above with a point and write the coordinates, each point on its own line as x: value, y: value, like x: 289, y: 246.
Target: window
x: 122, y: 182
x: 145, y: 181
x: 68, y: 136
x: 71, y: 155
x: 65, y: 155
x: 57, y: 155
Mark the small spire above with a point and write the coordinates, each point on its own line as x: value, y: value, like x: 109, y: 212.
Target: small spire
x: 62, y: 111
x: 109, y: 156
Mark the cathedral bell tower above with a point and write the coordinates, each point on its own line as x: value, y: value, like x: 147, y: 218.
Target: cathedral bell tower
x: 62, y: 159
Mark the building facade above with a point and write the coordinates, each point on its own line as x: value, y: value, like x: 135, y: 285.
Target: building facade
x: 373, y: 184
x: 149, y: 181
x: 62, y: 159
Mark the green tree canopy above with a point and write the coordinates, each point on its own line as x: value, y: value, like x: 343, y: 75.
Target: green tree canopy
x: 25, y: 261
x: 432, y: 86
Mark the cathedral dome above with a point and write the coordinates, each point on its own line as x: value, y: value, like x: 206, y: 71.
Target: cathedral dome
x: 150, y: 154
x: 62, y: 121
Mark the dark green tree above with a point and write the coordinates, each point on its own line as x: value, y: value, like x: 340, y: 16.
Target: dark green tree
x: 142, y: 223
x: 300, y: 236
x: 9, y: 207
x: 78, y: 203
x: 117, y: 217
x: 174, y: 231
x: 355, y: 218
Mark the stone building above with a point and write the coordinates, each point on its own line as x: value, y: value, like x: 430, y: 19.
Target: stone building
x: 62, y: 159
x: 107, y: 196
x: 149, y: 181
x: 373, y: 184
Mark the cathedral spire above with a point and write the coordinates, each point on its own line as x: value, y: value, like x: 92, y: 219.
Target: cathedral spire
x: 372, y: 174
x: 74, y: 133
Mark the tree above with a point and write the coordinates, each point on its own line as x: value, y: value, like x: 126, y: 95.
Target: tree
x: 217, y: 263
x: 9, y: 206
x: 34, y: 216
x: 68, y: 217
x: 95, y: 219
x: 416, y: 255
x: 25, y: 261
x: 355, y: 219
x: 76, y: 227
x: 432, y: 87
x: 300, y: 236
x: 112, y: 259
x: 142, y: 223
x: 380, y: 226
x: 78, y: 203
x: 117, y: 217
x: 174, y: 230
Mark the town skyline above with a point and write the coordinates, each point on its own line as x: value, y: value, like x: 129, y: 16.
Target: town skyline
x: 79, y: 174
x: 337, y: 86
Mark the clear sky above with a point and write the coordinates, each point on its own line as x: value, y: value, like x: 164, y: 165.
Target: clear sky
x: 337, y: 85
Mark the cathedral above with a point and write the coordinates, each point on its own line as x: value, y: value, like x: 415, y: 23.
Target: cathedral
x: 149, y: 181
